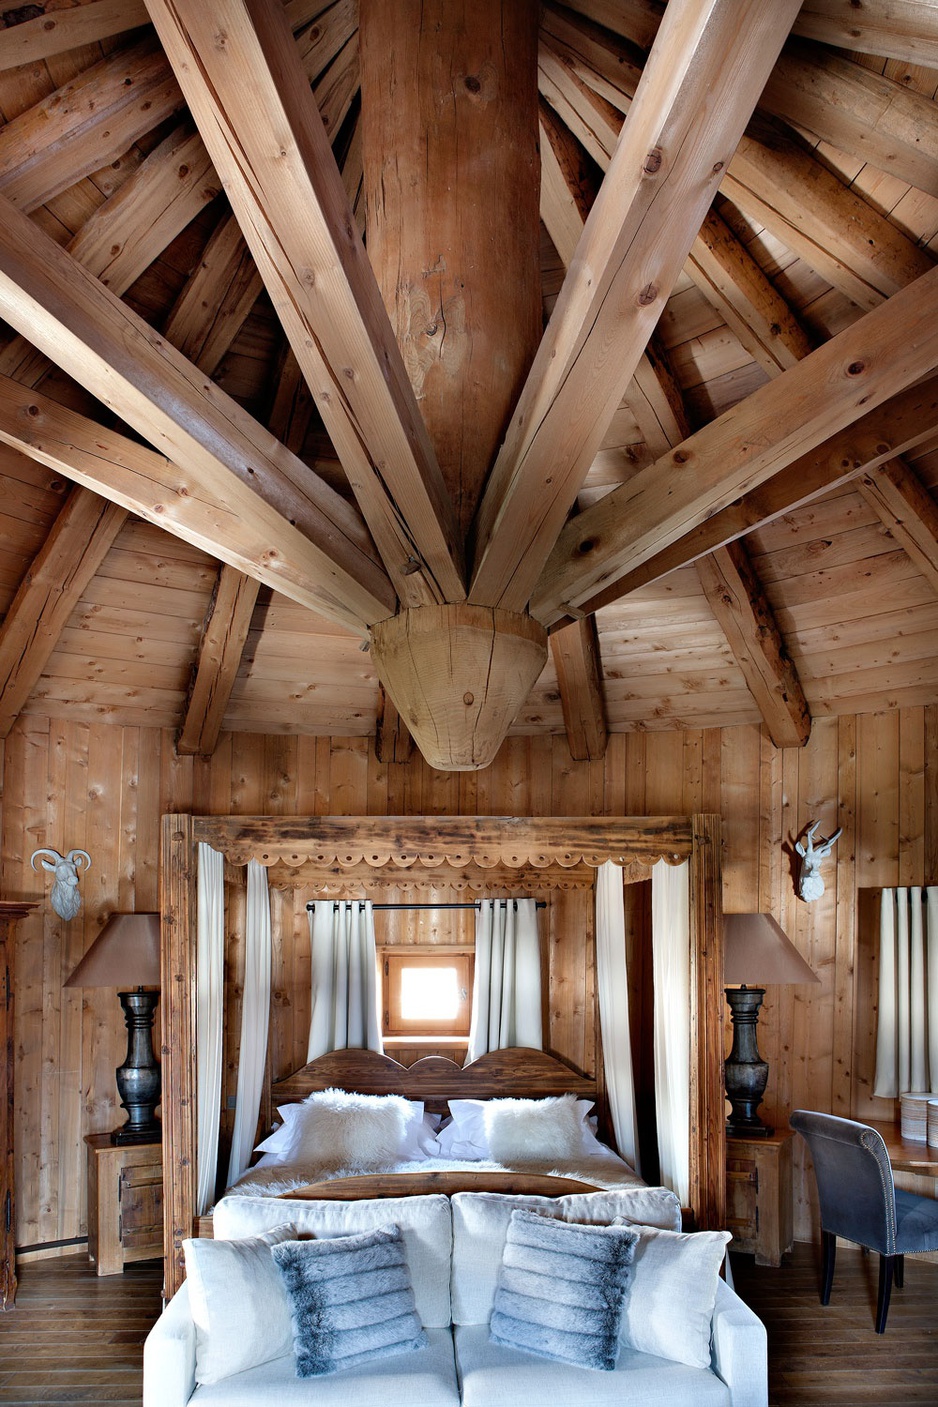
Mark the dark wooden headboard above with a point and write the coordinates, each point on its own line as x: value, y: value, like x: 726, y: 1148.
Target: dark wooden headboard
x: 515, y: 1073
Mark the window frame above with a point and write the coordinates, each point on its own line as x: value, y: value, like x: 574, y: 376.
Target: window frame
x: 394, y: 959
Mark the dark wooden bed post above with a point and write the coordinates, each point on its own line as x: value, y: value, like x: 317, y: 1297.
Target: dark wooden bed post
x: 179, y: 917
x: 707, y: 1101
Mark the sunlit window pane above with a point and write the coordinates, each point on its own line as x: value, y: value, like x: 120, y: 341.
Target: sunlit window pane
x: 429, y: 994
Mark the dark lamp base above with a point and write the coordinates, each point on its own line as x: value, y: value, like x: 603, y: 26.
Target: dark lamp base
x: 131, y: 1135
x: 744, y: 1130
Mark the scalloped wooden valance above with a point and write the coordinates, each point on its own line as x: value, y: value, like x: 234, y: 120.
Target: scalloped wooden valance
x: 513, y: 842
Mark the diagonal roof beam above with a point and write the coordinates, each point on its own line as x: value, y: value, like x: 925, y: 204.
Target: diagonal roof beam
x: 894, y: 29
x: 907, y: 509
x: 39, y: 36
x: 662, y: 178
x: 743, y: 613
x: 215, y: 511
x: 899, y: 424
x: 238, y: 67
x: 879, y: 356
x: 224, y: 634
x: 98, y: 340
x: 77, y: 544
x: 575, y: 652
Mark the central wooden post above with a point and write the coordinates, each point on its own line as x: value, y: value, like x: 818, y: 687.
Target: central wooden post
x: 452, y: 188
x: 452, y: 228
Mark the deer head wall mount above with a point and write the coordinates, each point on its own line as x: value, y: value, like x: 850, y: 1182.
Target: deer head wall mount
x: 810, y: 882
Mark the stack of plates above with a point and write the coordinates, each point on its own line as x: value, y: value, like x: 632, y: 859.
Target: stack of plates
x: 913, y: 1116
x: 933, y: 1123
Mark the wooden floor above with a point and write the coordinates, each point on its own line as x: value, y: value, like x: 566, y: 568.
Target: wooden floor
x: 74, y: 1336
x: 832, y: 1356
x: 77, y: 1337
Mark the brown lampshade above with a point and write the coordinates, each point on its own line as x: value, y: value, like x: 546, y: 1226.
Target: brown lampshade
x: 126, y: 953
x: 757, y: 952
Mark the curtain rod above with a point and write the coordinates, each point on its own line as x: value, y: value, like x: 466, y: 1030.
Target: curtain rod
x: 538, y: 904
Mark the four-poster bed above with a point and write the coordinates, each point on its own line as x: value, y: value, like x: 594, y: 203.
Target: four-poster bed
x: 334, y: 844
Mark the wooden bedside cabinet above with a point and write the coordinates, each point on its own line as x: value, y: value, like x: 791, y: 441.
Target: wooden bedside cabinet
x: 758, y: 1195
x: 125, y: 1202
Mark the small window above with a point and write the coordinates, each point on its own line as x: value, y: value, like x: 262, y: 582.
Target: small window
x: 427, y: 992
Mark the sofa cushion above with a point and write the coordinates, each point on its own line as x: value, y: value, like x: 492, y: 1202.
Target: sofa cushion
x: 495, y: 1376
x: 480, y: 1225
x: 239, y: 1305
x: 425, y: 1222
x: 673, y: 1287
x: 426, y: 1379
x: 351, y: 1300
x: 560, y: 1289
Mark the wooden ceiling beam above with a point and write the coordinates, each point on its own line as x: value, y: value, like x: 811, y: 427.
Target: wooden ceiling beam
x: 86, y: 123
x: 864, y: 114
x: 661, y: 180
x: 860, y: 368
x: 895, y: 29
x: 575, y: 652
x: 213, y: 509
x: 743, y: 613
x: 251, y: 101
x: 580, y: 70
x: 40, y: 36
x: 74, y: 549
x: 393, y: 740
x: 907, y: 509
x: 224, y: 635
x: 899, y: 424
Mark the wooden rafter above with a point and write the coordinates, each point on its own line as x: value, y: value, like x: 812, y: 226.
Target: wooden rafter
x: 223, y: 638
x: 901, y: 423
x: 213, y: 509
x: 393, y: 741
x: 661, y: 180
x: 823, y: 394
x: 39, y: 36
x: 575, y: 652
x: 907, y: 509
x: 897, y: 29
x: 251, y: 102
x: 73, y: 551
x: 739, y: 603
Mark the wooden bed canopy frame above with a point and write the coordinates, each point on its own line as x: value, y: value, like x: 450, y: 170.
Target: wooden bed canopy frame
x: 338, y: 842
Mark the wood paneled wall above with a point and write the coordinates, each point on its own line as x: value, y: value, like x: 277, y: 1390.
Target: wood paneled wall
x: 104, y: 788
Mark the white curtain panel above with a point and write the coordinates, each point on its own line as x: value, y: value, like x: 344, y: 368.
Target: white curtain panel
x: 255, y: 1018
x: 670, y: 938
x: 210, y: 1012
x: 907, y: 1022
x: 344, y: 977
x: 506, y: 989
x: 613, y: 987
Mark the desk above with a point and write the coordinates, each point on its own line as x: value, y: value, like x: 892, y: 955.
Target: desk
x: 906, y: 1155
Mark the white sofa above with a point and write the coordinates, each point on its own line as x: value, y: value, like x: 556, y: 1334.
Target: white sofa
x: 453, y: 1249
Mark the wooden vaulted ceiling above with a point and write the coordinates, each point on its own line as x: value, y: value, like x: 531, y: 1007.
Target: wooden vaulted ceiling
x: 718, y: 491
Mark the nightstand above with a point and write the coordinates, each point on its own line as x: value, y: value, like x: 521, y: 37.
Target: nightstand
x: 125, y: 1202
x: 759, y: 1196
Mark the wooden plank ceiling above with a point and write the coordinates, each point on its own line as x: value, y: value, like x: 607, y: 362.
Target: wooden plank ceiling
x: 719, y: 487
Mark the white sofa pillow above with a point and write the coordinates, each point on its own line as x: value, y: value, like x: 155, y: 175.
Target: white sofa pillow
x: 425, y: 1221
x: 480, y: 1226
x: 673, y: 1287
x: 239, y: 1304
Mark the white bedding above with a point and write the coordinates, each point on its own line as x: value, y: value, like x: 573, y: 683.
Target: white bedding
x: 606, y: 1170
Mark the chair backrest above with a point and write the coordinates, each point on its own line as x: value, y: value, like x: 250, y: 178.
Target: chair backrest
x: 854, y: 1179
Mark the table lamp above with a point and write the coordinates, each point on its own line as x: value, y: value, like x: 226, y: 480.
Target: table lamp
x: 126, y: 954
x: 755, y: 950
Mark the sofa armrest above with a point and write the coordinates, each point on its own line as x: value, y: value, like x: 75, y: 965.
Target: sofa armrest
x: 738, y: 1349
x: 169, y: 1355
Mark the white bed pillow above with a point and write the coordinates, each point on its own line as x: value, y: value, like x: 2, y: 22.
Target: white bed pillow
x: 335, y: 1128
x: 519, y: 1130
x: 239, y: 1304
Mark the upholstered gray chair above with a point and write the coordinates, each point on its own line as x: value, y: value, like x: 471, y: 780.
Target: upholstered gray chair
x: 860, y: 1202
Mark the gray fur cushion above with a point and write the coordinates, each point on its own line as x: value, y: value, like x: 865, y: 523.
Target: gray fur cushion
x: 560, y: 1289
x: 351, y: 1299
